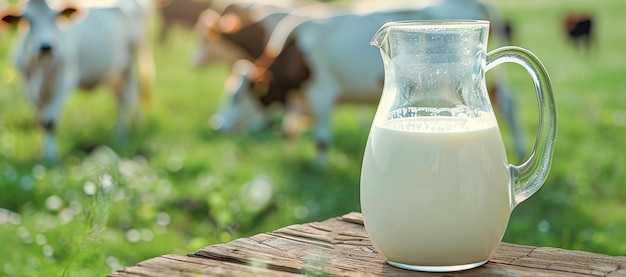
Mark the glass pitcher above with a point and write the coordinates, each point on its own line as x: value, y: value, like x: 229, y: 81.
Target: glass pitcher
x: 436, y: 187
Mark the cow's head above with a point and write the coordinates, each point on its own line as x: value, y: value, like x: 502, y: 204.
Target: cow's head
x: 256, y: 89
x: 44, y: 25
x: 242, y: 110
x: 211, y: 27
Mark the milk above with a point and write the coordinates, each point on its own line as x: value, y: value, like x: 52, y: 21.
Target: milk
x: 435, y: 191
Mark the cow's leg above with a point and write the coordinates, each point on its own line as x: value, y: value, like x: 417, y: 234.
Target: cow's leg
x: 322, y: 96
x: 587, y: 41
x: 127, y: 96
x: 295, y: 120
x: 49, y: 113
x: 50, y: 150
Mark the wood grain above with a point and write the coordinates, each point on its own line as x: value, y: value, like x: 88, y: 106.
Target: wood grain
x: 340, y: 247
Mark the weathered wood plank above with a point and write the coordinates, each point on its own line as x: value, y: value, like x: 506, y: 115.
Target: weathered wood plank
x: 173, y: 265
x: 340, y: 247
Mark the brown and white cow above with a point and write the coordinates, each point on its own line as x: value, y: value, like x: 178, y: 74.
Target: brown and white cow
x: 331, y: 61
x: 54, y: 60
x: 239, y: 31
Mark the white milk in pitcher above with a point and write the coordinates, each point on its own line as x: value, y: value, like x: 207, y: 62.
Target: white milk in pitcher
x: 435, y: 191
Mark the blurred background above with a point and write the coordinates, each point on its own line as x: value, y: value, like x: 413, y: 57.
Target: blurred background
x: 177, y: 185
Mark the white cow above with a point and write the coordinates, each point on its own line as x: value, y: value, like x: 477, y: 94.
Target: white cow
x: 55, y: 59
x: 331, y: 60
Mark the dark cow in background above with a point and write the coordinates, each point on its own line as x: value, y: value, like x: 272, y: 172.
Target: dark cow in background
x: 508, y: 31
x: 579, y: 29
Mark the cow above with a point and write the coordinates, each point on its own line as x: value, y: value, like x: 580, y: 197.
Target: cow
x: 240, y: 31
x: 98, y: 46
x: 331, y: 61
x: 579, y: 29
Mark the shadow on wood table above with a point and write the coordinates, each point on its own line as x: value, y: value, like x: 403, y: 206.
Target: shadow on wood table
x: 340, y: 247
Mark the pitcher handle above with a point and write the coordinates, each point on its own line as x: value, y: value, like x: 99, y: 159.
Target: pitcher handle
x: 528, y: 177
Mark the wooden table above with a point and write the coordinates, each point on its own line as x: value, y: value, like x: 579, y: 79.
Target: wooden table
x: 340, y: 247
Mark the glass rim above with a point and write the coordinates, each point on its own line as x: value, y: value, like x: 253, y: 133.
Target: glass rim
x: 439, y: 22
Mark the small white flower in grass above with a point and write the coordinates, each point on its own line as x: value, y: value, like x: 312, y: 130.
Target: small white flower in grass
x: 257, y: 193
x: 148, y: 199
x: 39, y: 172
x: 174, y: 163
x: 46, y: 222
x: 128, y: 168
x: 24, y: 235
x: 163, y: 219
x: 300, y: 212
x: 66, y: 216
x: 41, y: 239
x: 106, y: 181
x: 133, y: 235
x: 48, y: 251
x: 204, y: 180
x: 53, y: 202
x: 543, y: 226
x: 15, y: 218
x: 7, y: 216
x: 113, y: 263
x: 119, y: 195
x: 89, y: 188
x: 76, y: 207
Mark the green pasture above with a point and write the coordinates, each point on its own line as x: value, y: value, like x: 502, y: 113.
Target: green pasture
x: 177, y: 186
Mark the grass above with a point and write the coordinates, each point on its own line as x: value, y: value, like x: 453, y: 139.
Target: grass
x: 177, y: 186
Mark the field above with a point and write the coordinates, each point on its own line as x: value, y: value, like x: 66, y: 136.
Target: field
x: 177, y: 186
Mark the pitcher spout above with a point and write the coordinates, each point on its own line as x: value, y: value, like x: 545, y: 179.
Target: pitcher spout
x: 380, y: 38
